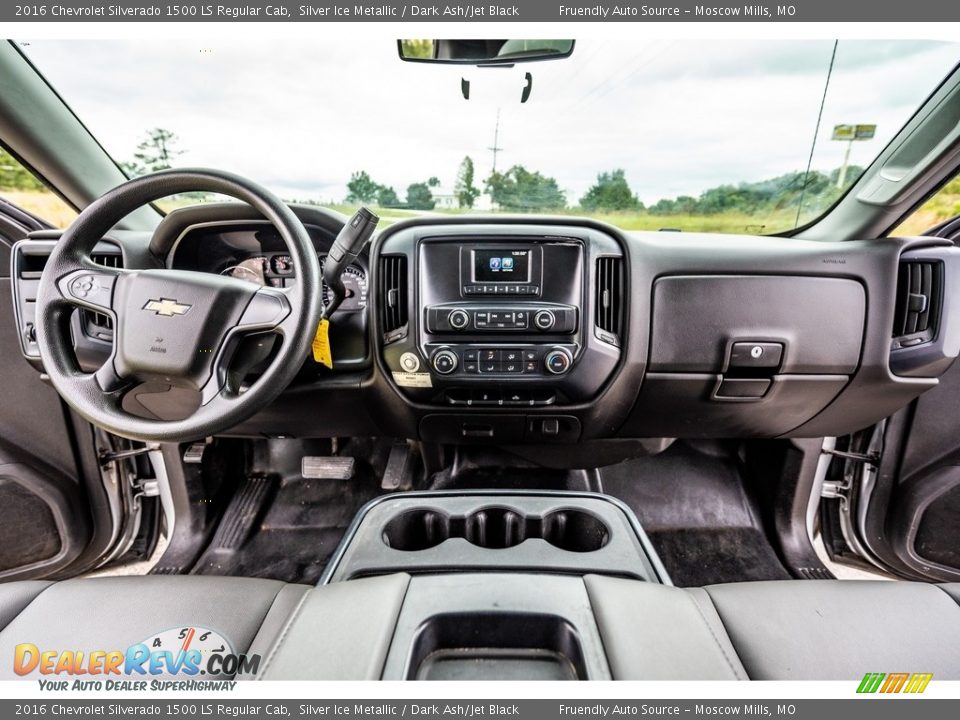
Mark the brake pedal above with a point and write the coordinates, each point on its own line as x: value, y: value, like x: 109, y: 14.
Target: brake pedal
x: 318, y: 467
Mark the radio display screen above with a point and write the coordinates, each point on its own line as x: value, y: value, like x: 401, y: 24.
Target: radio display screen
x: 501, y: 265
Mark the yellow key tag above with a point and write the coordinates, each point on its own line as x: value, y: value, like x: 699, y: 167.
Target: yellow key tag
x: 321, y: 344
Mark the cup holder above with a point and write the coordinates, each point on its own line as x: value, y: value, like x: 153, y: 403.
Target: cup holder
x: 417, y: 530
x: 575, y: 531
x: 496, y: 528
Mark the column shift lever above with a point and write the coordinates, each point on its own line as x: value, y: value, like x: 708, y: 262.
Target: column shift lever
x: 346, y: 247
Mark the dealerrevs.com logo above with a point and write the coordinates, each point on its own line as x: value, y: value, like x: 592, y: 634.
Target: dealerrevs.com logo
x: 187, y: 652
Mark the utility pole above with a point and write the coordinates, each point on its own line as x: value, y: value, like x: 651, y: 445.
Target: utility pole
x: 496, y: 139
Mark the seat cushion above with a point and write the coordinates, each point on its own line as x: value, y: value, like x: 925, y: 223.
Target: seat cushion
x: 656, y: 632
x: 336, y: 632
x: 839, y: 630
x: 114, y: 613
x: 779, y: 630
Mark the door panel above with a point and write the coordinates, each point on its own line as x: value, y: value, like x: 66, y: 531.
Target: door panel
x: 45, y: 516
x: 911, y: 518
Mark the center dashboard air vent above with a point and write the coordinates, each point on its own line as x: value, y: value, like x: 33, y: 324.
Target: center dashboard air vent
x: 609, y: 300
x: 393, y: 296
x: 919, y: 298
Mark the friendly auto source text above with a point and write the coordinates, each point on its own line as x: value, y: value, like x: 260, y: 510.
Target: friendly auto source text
x: 620, y: 11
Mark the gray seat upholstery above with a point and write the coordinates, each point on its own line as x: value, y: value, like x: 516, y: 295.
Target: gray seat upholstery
x: 779, y: 630
x: 113, y: 613
x: 830, y: 629
x: 284, y: 624
x: 785, y: 630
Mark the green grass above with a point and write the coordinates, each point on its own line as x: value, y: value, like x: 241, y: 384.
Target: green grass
x: 943, y: 206
x: 720, y: 222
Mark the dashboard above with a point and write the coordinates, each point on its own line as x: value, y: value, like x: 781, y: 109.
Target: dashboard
x: 565, y: 339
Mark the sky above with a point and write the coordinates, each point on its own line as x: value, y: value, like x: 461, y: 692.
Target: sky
x: 679, y: 116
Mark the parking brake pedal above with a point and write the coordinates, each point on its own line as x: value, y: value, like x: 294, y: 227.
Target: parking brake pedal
x: 399, y: 468
x: 318, y: 467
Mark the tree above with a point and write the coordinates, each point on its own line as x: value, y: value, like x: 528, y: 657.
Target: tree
x: 466, y: 192
x: 520, y: 189
x: 387, y: 197
x: 362, y: 188
x: 13, y: 176
x: 419, y: 197
x: 611, y: 192
x: 156, y: 152
x: 420, y: 49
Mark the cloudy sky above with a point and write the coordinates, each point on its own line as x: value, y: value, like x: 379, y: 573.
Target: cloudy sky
x: 679, y: 116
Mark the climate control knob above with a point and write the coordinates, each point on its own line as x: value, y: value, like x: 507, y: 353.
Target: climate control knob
x: 557, y: 361
x: 445, y: 361
x: 458, y: 319
x: 544, y: 320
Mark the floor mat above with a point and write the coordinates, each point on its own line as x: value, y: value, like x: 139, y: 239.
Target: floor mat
x: 693, y: 505
x: 282, y: 526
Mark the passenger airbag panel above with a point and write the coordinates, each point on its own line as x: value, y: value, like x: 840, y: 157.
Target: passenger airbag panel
x: 697, y: 319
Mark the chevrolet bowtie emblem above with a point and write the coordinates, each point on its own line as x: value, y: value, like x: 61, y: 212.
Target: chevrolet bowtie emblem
x: 166, y: 307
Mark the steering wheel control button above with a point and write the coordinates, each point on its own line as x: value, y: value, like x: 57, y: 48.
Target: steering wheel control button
x: 458, y: 319
x: 83, y: 286
x: 88, y: 288
x: 409, y: 362
x: 544, y: 320
x: 756, y: 355
x: 445, y: 362
x: 557, y: 361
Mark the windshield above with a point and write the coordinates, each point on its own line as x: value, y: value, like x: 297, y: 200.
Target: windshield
x: 746, y: 136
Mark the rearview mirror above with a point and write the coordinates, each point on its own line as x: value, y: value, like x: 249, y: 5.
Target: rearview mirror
x: 483, y: 52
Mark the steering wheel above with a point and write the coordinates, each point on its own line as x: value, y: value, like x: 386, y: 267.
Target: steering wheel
x: 174, y: 327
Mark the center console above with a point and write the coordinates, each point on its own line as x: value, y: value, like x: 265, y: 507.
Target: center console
x: 491, y: 583
x: 504, y: 326
x: 492, y: 531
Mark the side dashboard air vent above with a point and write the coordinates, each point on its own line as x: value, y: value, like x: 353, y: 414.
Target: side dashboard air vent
x: 610, y: 299
x: 98, y: 324
x: 393, y: 295
x: 919, y: 298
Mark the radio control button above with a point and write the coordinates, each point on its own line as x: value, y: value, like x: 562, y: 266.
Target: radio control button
x: 544, y: 320
x: 458, y: 319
